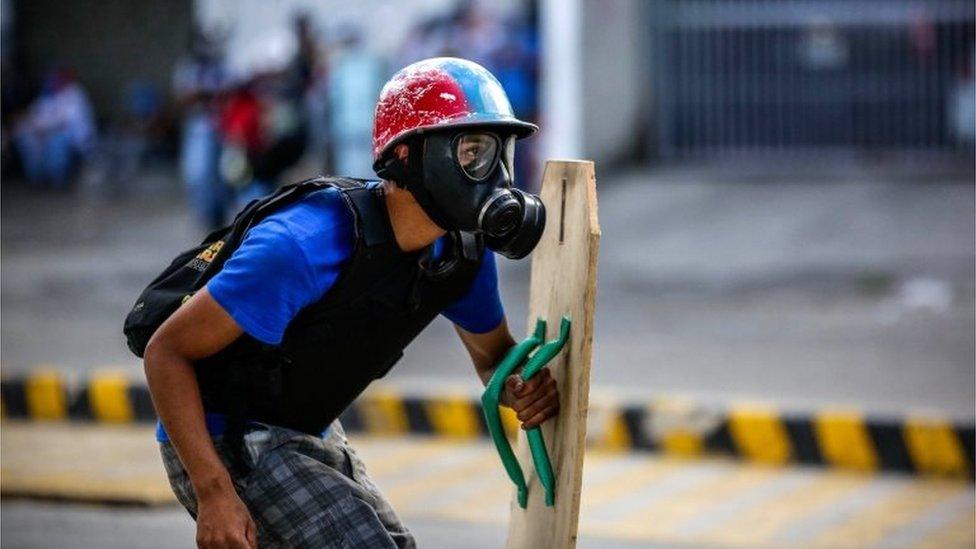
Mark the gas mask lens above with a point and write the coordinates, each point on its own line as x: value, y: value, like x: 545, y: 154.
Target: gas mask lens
x: 477, y: 154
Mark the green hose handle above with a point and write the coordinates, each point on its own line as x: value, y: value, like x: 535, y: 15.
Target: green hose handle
x: 540, y: 456
x: 492, y: 395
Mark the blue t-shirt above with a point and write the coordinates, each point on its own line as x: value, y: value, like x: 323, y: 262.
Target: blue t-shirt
x: 290, y: 260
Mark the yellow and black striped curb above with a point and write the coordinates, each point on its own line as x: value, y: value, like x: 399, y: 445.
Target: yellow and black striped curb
x: 847, y: 439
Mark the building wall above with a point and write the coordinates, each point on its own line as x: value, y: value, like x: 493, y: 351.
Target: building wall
x: 107, y: 42
x: 615, y: 66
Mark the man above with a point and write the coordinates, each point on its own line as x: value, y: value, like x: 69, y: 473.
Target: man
x: 321, y: 297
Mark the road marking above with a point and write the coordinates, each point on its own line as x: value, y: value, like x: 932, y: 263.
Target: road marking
x: 934, y: 447
x: 427, y: 468
x: 453, y: 417
x: 759, y: 434
x: 730, y: 508
x: 936, y: 520
x: 385, y: 457
x: 383, y: 413
x: 875, y: 523
x: 844, y: 440
x: 819, y: 521
x: 108, y: 396
x: 760, y: 523
x: 46, y: 398
x: 405, y: 493
x: 658, y: 519
x: 958, y: 533
x: 624, y: 479
x: 657, y: 489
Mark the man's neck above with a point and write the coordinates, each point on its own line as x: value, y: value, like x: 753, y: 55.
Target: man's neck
x: 412, y: 228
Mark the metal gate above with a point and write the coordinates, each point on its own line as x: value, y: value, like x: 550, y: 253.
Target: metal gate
x: 759, y: 75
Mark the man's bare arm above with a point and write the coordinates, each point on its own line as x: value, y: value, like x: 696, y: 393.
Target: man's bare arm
x: 535, y: 400
x: 198, y: 329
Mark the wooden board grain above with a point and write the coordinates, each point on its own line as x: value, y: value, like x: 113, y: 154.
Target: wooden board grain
x: 564, y: 268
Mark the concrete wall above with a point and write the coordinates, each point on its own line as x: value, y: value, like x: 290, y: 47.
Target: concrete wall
x: 107, y: 42
x: 615, y: 64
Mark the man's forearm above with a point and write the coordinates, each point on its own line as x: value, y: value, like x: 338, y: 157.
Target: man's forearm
x: 176, y: 396
x: 486, y: 364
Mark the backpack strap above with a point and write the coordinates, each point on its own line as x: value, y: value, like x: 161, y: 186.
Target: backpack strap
x: 261, y: 208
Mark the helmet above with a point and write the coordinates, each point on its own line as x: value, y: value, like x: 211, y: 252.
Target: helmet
x: 440, y: 93
x: 463, y: 174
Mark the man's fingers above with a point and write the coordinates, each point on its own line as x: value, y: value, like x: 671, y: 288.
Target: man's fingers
x: 514, y: 384
x: 546, y: 399
x: 531, y: 385
x: 251, y: 534
x: 541, y: 417
x: 530, y: 398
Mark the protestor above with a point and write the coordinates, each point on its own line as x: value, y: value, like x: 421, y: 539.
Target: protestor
x: 282, y: 320
x: 200, y: 82
x: 58, y: 131
x: 263, y: 126
x: 355, y: 79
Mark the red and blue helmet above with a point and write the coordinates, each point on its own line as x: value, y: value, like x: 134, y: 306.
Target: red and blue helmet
x: 440, y: 93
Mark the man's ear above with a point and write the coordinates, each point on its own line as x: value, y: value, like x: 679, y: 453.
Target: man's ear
x: 402, y: 152
x: 394, y: 168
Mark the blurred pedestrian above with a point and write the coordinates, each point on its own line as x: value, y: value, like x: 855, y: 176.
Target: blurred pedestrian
x: 313, y: 63
x: 354, y: 84
x: 58, y: 131
x: 200, y: 81
x: 516, y: 63
x: 264, y: 126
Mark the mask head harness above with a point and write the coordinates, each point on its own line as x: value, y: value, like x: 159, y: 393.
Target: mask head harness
x: 463, y: 180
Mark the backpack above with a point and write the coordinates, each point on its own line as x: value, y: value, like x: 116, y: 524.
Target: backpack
x: 192, y: 269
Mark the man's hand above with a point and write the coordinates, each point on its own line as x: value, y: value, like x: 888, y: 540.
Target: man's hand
x: 223, y: 522
x: 535, y: 400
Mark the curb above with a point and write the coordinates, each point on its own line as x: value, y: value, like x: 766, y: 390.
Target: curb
x: 839, y: 438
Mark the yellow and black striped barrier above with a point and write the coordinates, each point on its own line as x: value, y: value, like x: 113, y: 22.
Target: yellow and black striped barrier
x: 847, y: 439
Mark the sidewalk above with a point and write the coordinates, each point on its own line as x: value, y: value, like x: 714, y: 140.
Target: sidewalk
x: 632, y: 498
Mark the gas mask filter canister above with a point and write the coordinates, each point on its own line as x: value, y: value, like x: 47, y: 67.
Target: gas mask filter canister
x: 463, y: 181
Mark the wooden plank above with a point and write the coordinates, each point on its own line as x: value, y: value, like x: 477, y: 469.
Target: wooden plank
x: 563, y: 282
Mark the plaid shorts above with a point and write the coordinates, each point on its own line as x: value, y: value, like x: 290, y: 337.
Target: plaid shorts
x: 303, y: 491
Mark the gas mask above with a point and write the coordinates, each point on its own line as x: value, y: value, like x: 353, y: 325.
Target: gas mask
x: 463, y: 181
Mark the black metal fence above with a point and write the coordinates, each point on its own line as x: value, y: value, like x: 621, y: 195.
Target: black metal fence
x: 757, y: 75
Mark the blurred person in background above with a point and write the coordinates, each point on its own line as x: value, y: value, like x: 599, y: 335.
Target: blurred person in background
x: 515, y: 61
x: 140, y: 130
x: 313, y: 58
x: 57, y: 132
x: 963, y: 106
x: 354, y: 84
x: 200, y: 81
x: 264, y: 127
x: 15, y: 100
x: 473, y: 33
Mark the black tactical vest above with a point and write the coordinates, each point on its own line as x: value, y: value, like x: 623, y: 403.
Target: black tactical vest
x: 382, y: 299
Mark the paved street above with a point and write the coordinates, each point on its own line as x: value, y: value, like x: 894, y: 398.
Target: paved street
x: 855, y: 289
x: 455, y: 494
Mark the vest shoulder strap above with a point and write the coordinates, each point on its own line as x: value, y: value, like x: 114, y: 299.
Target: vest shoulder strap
x: 373, y: 221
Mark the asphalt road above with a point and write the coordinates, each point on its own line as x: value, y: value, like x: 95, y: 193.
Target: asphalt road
x: 854, y: 290
x: 36, y: 525
x: 455, y: 494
